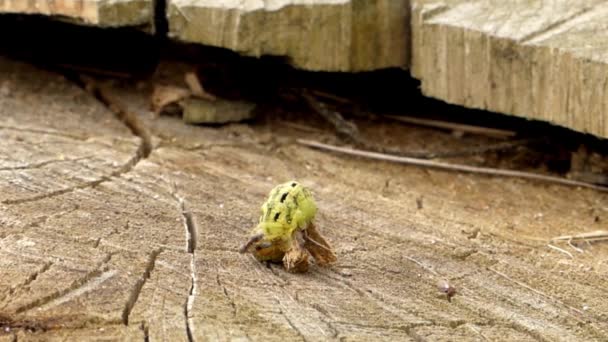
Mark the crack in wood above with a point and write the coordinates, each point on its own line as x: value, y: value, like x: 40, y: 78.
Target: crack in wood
x: 128, y: 166
x: 428, y: 12
x: 323, y: 315
x: 139, y: 285
x: 47, y: 132
x: 55, y: 323
x: 556, y: 26
x: 190, y: 301
x: 41, y: 164
x: 576, y: 314
x: 45, y: 267
x: 42, y: 220
x: 55, y: 193
x: 512, y: 324
x: 230, y: 300
x: 335, y: 332
x: 290, y: 323
x: 129, y: 119
x: 191, y: 229
x: 190, y: 225
x: 380, y: 299
x: 87, y: 283
x: 144, y: 328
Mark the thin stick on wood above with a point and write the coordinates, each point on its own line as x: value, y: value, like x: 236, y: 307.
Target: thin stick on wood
x: 598, y: 235
x: 561, y: 250
x: 526, y: 286
x: 349, y: 132
x: 492, y: 132
x: 330, y: 96
x: 345, y: 129
x: 96, y: 71
x: 502, y: 146
x: 300, y: 127
x: 450, y: 167
x: 426, y: 268
x: 574, y: 247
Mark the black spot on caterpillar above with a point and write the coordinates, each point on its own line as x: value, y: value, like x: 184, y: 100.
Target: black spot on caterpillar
x: 284, y: 197
x: 276, y: 217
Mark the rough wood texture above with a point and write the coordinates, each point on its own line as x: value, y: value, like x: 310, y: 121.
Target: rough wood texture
x: 98, y: 240
x: 325, y: 35
x: 92, y: 12
x: 537, y: 59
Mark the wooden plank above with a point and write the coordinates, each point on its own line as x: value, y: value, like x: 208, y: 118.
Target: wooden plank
x: 88, y: 252
x: 536, y: 59
x: 324, y: 35
x: 90, y: 12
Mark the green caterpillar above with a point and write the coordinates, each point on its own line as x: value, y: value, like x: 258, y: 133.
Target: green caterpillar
x: 286, y: 232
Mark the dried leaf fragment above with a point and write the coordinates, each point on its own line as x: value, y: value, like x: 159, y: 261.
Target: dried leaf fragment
x: 196, y: 87
x: 316, y: 245
x: 296, y: 258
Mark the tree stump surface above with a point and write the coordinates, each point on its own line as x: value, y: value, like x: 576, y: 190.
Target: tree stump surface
x: 100, y: 240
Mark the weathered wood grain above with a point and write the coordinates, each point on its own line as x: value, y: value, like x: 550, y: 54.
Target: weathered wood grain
x: 536, y: 59
x: 321, y: 35
x: 91, y: 12
x: 151, y: 251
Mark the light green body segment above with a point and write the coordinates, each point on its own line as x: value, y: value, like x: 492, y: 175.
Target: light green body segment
x: 290, y: 206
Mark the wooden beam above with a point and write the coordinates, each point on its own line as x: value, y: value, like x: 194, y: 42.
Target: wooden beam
x: 544, y: 60
x: 327, y: 35
x: 91, y: 12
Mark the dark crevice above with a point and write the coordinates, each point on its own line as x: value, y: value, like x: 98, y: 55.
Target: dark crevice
x: 45, y: 267
x: 187, y: 311
x: 161, y: 24
x: 47, y: 42
x: 139, y: 286
x: 226, y: 294
x: 146, y: 331
x: 191, y: 229
x: 128, y: 118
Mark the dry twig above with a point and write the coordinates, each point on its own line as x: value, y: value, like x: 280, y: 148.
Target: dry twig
x: 450, y: 167
x: 492, y: 132
x: 598, y: 235
x: 349, y: 132
x: 561, y: 250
